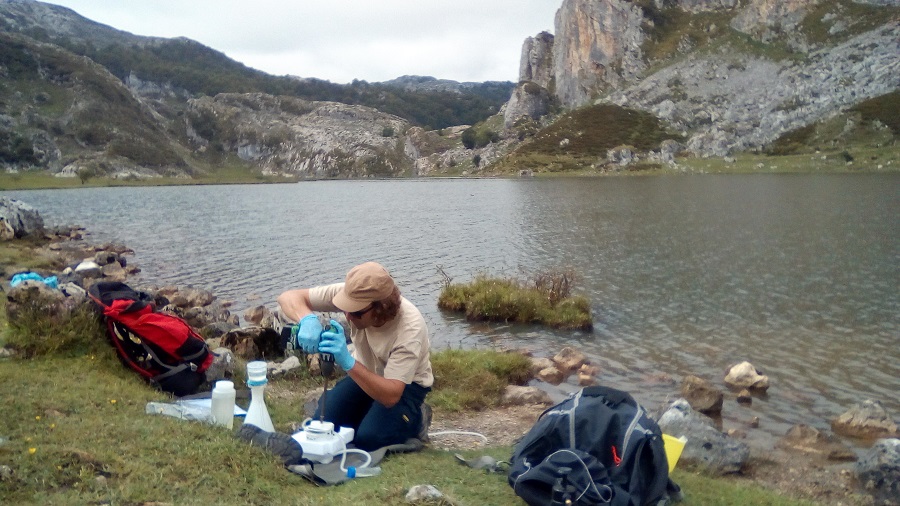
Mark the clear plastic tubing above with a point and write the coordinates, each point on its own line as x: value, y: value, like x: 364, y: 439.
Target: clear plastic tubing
x: 257, y: 413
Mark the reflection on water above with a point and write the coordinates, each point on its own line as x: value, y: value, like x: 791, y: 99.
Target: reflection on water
x: 798, y: 274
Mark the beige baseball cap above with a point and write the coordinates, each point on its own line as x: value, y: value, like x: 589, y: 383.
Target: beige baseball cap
x: 365, y: 284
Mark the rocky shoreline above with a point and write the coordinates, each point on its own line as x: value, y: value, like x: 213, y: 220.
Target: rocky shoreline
x: 805, y: 460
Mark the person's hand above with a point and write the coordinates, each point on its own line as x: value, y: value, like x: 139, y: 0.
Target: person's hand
x: 335, y: 343
x: 306, y: 334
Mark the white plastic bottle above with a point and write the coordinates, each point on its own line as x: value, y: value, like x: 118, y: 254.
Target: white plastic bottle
x: 223, y: 396
x: 257, y: 413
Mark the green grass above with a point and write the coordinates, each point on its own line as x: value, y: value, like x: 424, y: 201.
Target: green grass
x: 857, y: 18
x: 90, y: 442
x: 474, y: 379
x: 43, y: 180
x: 511, y: 300
x: 581, y: 137
x: 75, y: 432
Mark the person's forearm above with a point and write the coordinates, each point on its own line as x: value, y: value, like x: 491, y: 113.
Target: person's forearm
x: 295, y: 304
x: 386, y: 392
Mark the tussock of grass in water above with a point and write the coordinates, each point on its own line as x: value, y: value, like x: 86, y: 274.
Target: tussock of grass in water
x: 511, y: 300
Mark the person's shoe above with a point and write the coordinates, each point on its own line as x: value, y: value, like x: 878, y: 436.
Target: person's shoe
x: 426, y: 422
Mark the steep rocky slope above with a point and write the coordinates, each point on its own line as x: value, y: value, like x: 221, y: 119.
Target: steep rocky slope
x: 730, y: 75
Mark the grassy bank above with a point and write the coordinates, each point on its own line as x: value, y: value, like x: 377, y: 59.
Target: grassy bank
x: 44, y: 180
x: 90, y: 442
x: 75, y: 432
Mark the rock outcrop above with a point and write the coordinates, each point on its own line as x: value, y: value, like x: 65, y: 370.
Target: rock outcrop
x: 531, y: 98
x: 723, y: 101
x: 878, y: 471
x: 706, y: 446
x: 18, y: 219
x: 597, y: 46
x: 286, y: 135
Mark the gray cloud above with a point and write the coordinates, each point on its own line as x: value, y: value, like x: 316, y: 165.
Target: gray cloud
x: 341, y: 40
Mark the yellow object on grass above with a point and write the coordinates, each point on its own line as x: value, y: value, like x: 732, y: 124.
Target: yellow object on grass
x: 674, y: 446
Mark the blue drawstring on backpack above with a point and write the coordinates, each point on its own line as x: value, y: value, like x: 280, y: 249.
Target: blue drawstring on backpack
x: 21, y: 277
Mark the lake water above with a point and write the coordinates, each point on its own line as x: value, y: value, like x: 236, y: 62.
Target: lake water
x: 798, y: 274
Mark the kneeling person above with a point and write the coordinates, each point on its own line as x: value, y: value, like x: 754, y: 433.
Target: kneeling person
x: 389, y: 372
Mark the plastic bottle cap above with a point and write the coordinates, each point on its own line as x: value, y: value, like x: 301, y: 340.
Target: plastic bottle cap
x: 351, y: 472
x: 224, y: 386
x: 256, y: 371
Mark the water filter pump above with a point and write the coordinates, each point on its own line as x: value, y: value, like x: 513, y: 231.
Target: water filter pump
x: 321, y: 443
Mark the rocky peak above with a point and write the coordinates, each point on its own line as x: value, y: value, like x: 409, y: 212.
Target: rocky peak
x: 597, y: 45
x: 60, y: 22
x: 536, y: 64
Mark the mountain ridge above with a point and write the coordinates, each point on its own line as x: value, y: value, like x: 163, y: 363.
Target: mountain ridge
x: 718, y: 77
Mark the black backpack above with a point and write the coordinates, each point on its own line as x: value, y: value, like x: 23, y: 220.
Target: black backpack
x: 596, y: 447
x: 162, y: 348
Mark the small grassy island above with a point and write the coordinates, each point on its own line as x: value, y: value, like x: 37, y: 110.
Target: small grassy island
x: 545, y: 298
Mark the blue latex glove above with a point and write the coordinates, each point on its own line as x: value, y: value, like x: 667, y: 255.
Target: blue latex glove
x: 335, y: 343
x: 306, y: 334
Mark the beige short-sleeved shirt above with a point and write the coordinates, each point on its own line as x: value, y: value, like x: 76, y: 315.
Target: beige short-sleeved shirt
x: 399, y: 349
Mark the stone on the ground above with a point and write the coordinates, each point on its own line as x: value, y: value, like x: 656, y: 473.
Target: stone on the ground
x: 253, y: 343
x: 222, y: 366
x: 114, y: 272
x: 745, y: 397
x: 520, y: 395
x: 102, y: 258
x: 867, y: 419
x: 18, y: 219
x: 744, y: 375
x: 811, y: 440
x: 52, y: 302
x: 286, y: 366
x: 878, y: 471
x: 88, y: 269
x: 217, y: 329
x: 701, y: 394
x: 255, y: 315
x: 423, y: 493
x: 706, y: 447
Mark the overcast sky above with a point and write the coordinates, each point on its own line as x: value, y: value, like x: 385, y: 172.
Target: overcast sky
x: 342, y: 40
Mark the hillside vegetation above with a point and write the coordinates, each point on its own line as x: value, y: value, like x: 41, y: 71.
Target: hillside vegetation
x: 676, y: 86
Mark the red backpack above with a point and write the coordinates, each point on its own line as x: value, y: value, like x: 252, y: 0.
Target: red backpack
x: 162, y: 348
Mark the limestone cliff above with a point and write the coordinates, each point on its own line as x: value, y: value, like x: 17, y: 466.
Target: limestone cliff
x: 597, y: 45
x: 291, y: 136
x: 723, y: 95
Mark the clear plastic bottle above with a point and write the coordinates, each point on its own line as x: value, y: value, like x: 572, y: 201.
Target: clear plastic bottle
x: 257, y: 413
x: 363, y: 472
x: 223, y: 403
